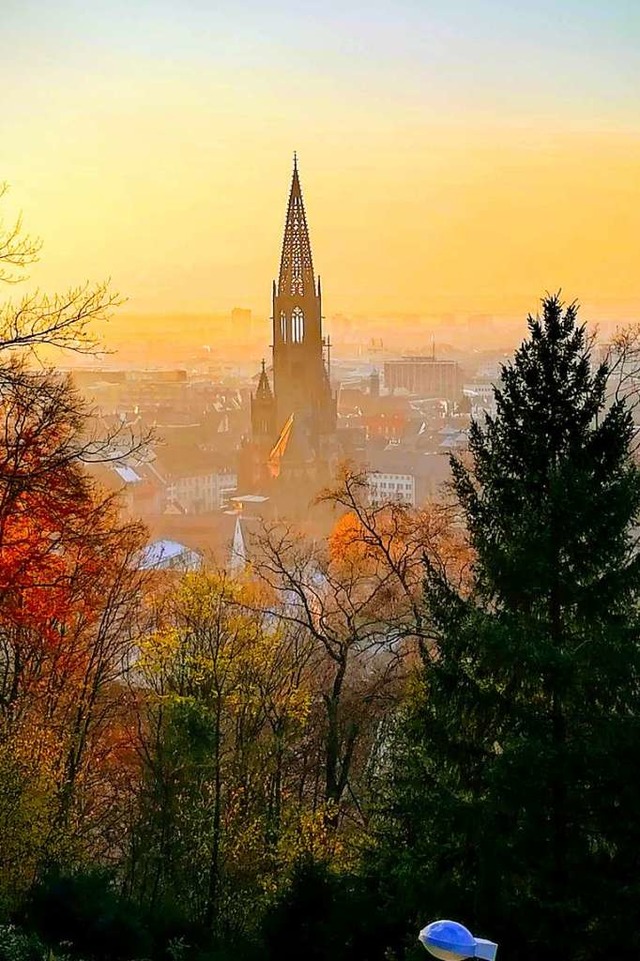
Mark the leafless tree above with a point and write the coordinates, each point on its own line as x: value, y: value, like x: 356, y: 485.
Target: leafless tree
x: 357, y: 665
x: 394, y: 538
x: 38, y: 323
x: 622, y: 357
x: 17, y: 249
x: 358, y: 595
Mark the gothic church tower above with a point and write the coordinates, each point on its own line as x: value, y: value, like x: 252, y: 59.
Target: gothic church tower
x: 301, y: 405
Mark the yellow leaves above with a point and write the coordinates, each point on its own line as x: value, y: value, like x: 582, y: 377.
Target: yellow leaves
x: 212, y: 644
x: 312, y: 835
x: 295, y: 704
x: 205, y: 594
x: 156, y: 651
x: 244, y: 831
x: 29, y: 786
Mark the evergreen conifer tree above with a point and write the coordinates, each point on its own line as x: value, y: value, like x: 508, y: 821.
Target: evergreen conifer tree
x: 515, y: 792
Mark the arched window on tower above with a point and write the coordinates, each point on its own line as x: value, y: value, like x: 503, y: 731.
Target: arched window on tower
x: 297, y: 325
x: 283, y: 325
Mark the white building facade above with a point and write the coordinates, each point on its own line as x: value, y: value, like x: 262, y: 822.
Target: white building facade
x: 385, y: 487
x: 201, y: 493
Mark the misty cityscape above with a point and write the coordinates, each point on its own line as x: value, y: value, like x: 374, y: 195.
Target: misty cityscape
x: 230, y: 439
x: 225, y: 452
x: 319, y: 481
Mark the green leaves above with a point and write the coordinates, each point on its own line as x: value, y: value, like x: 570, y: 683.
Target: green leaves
x: 529, y: 690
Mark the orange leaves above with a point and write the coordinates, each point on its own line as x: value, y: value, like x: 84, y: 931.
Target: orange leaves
x: 69, y: 599
x: 42, y: 497
x: 347, y: 537
x: 69, y: 592
x: 33, y: 572
x: 394, y: 538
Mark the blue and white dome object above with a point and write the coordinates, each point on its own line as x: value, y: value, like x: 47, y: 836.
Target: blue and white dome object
x: 451, y: 941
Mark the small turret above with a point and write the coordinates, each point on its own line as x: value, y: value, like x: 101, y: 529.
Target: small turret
x: 263, y: 391
x: 263, y: 408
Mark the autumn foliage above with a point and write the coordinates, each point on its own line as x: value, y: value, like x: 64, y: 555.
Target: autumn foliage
x: 68, y: 593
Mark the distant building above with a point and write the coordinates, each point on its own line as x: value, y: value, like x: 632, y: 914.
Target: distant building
x: 387, y: 425
x: 452, y: 438
x: 482, y: 399
x: 424, y: 377
x: 84, y: 377
x: 138, y: 482
x: 294, y: 417
x: 392, y: 486
x: 406, y: 476
x: 200, y: 491
x: 165, y: 555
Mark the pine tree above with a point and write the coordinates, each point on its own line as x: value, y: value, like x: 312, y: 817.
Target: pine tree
x: 515, y: 793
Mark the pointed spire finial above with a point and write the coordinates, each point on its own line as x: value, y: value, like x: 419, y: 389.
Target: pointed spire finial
x: 263, y: 390
x: 296, y: 265
x: 238, y: 558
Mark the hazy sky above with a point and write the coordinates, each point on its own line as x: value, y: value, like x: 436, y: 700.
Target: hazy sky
x: 454, y: 154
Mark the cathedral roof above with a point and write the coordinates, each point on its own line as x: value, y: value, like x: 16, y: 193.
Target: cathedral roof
x: 280, y: 446
x: 291, y: 447
x: 296, y: 266
x: 297, y: 450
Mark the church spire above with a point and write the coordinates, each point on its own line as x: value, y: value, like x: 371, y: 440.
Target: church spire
x: 238, y: 558
x: 296, y: 266
x: 263, y: 391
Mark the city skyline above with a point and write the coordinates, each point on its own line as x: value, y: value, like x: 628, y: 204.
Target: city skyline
x: 455, y: 159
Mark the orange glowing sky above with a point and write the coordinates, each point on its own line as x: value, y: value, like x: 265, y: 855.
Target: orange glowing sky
x: 459, y: 156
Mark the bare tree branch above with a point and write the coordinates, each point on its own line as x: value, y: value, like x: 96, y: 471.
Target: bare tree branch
x: 16, y: 248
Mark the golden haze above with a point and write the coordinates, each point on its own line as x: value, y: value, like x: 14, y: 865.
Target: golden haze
x: 405, y: 216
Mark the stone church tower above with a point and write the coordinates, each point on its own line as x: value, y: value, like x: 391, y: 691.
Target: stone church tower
x: 293, y: 422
